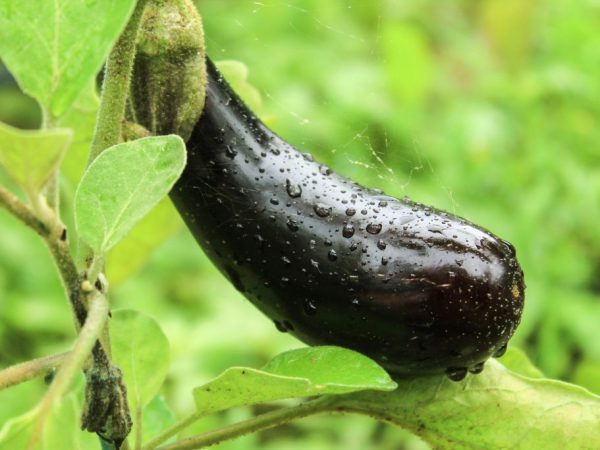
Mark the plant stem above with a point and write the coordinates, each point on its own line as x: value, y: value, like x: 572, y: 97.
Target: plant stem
x: 173, y: 430
x: 115, y: 87
x: 53, y: 192
x: 262, y: 422
x: 95, y: 267
x: 96, y: 318
x: 28, y: 370
x: 69, y: 275
x: 139, y: 430
x: 22, y: 212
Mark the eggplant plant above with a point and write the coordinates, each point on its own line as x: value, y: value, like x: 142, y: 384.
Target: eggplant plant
x: 402, y: 304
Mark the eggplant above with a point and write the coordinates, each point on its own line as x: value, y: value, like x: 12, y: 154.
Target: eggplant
x: 419, y: 290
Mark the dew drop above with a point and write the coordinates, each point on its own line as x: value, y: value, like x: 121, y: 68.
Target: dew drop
x: 374, y: 228
x: 381, y: 245
x: 274, y: 201
x: 230, y: 152
x: 456, y: 373
x: 292, y: 225
x: 350, y: 211
x: 477, y: 368
x: 348, y: 230
x: 280, y: 327
x: 322, y: 210
x: 324, y: 170
x: 332, y: 255
x: 500, y: 352
x: 310, y: 308
x: 293, y: 190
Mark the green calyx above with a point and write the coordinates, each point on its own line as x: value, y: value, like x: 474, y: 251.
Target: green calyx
x: 169, y: 75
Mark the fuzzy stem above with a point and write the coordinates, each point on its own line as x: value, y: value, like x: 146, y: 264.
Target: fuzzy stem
x: 53, y: 192
x: 258, y: 423
x: 116, y: 86
x: 96, y: 318
x: 22, y: 212
x: 69, y: 275
x: 173, y: 430
x: 28, y: 370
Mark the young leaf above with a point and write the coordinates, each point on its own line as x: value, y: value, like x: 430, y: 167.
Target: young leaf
x: 141, y: 350
x: 122, y: 185
x: 497, y: 409
x: 31, y: 156
x: 335, y: 367
x: 53, y: 48
x: 297, y: 373
x: 61, y: 429
x: 157, y: 417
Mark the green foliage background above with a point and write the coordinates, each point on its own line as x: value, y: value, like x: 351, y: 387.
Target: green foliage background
x: 486, y: 108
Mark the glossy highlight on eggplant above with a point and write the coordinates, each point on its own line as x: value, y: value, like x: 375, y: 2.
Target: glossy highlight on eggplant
x: 419, y: 290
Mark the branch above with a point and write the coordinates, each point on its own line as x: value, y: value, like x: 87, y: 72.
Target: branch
x: 115, y: 88
x: 258, y: 423
x: 22, y: 212
x: 28, y: 370
x: 96, y: 318
x: 173, y: 430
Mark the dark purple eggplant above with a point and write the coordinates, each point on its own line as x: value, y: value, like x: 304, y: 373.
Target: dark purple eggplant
x: 417, y: 289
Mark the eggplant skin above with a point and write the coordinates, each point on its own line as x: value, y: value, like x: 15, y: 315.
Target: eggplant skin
x: 417, y: 289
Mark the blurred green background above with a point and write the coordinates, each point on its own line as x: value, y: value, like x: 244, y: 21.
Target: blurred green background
x: 486, y: 108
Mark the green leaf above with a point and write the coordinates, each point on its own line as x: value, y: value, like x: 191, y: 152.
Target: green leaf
x: 31, y: 156
x: 61, y: 429
x: 587, y: 374
x: 129, y: 255
x: 497, y: 409
x: 141, y: 350
x: 334, y: 367
x: 517, y: 361
x: 298, y: 373
x: 53, y: 48
x: 122, y: 185
x: 157, y: 416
